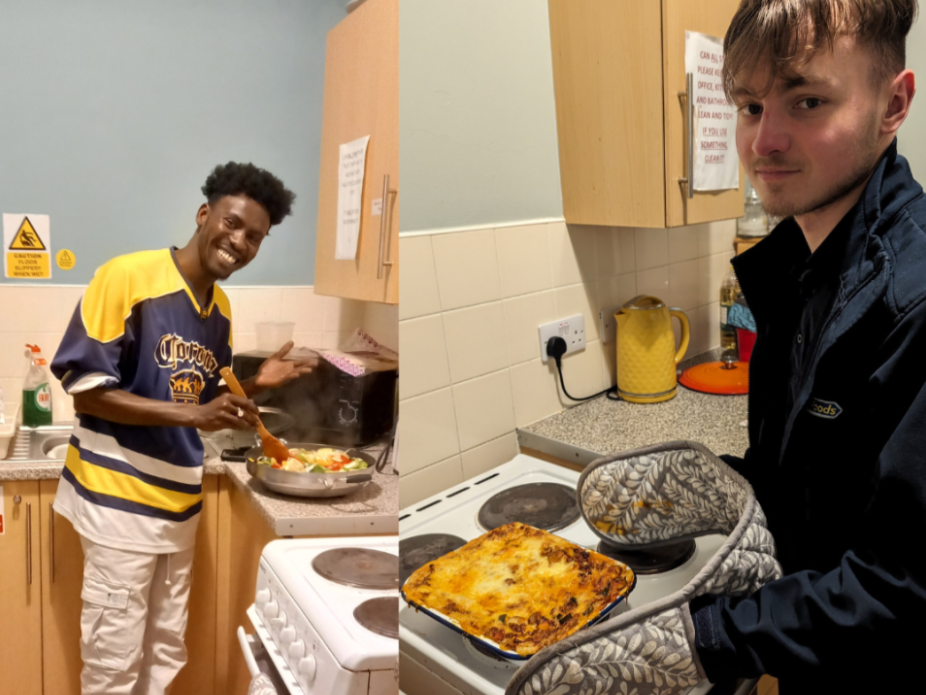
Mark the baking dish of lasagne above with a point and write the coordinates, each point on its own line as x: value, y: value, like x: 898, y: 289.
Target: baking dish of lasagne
x: 517, y: 589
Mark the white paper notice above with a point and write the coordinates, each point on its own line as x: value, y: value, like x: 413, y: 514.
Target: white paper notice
x: 716, y: 165
x: 350, y: 191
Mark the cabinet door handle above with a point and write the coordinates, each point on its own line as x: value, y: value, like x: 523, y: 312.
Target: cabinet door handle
x: 28, y: 544
x: 51, y: 537
x: 688, y: 181
x: 384, y: 225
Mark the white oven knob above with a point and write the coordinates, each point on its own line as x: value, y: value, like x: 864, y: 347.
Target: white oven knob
x: 271, y: 610
x: 287, y: 634
x: 297, y: 650
x: 278, y: 623
x: 262, y: 597
x: 307, y: 668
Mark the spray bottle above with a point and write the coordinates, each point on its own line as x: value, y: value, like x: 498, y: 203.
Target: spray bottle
x: 36, y: 390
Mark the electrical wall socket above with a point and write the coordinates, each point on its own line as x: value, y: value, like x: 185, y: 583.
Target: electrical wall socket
x: 571, y: 329
x: 607, y: 325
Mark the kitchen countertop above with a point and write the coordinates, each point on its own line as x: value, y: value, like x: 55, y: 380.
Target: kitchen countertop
x: 372, y: 509
x: 602, y: 426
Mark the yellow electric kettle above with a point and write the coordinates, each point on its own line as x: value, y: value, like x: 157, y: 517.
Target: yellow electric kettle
x: 646, y: 354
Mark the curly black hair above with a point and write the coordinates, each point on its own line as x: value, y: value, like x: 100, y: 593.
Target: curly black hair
x: 257, y: 184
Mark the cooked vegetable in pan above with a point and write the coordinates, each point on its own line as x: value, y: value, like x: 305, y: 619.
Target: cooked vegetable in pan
x: 316, y: 461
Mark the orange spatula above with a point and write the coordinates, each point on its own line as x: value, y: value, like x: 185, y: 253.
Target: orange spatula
x: 273, y: 447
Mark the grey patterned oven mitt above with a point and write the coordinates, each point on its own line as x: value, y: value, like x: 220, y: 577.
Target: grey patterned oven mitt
x: 651, y: 497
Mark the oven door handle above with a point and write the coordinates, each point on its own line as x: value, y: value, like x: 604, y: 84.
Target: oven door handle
x: 248, y: 652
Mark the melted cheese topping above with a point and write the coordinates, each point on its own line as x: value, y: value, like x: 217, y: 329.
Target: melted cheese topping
x: 519, y: 587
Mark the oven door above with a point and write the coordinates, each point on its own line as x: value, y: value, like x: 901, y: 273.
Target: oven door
x: 262, y: 656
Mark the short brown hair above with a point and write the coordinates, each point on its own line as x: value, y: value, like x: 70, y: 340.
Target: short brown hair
x: 786, y: 33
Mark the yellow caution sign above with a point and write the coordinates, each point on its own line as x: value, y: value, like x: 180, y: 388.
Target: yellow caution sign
x: 27, y: 246
x: 26, y: 238
x: 27, y: 266
x: 65, y: 259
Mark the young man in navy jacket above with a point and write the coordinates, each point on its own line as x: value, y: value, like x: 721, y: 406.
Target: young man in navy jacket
x: 837, y: 402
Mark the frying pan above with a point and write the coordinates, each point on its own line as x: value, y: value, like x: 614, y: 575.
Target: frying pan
x: 310, y: 484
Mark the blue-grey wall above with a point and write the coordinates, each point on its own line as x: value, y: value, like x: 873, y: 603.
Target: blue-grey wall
x: 114, y: 112
x: 477, y: 117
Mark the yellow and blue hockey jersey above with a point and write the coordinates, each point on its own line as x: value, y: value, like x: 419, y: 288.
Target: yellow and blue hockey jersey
x: 139, y: 328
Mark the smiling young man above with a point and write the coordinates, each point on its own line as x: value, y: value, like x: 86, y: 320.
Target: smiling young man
x: 141, y: 357
x: 837, y: 402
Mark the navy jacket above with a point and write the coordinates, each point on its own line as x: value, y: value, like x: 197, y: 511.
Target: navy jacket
x: 840, y: 468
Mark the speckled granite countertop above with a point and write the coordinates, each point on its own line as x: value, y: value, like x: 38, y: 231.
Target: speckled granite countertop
x: 51, y: 470
x: 372, y: 509
x: 603, y: 426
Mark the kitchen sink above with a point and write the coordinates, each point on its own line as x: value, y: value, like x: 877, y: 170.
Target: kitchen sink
x: 40, y: 444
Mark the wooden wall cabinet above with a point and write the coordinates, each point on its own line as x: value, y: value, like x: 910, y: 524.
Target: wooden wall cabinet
x: 362, y: 98
x: 618, y: 68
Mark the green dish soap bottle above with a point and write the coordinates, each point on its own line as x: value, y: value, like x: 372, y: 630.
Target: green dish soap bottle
x: 36, y: 390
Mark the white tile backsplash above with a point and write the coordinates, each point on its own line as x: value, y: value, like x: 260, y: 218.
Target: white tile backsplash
x: 487, y: 456
x: 428, y: 430
x: 418, y: 294
x: 533, y: 385
x: 579, y: 299
x: 523, y: 260
x: 589, y: 268
x: 573, y: 253
x: 484, y: 408
x: 683, y: 244
x: 423, y: 356
x: 467, y: 268
x: 522, y: 317
x: 651, y: 248
x: 475, y: 340
x: 40, y: 315
x: 654, y: 282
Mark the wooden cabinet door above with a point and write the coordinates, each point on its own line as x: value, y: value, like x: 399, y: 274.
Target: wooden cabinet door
x: 20, y: 591
x: 707, y: 17
x: 242, y: 536
x: 361, y: 98
x: 62, y: 578
x: 607, y: 77
x: 198, y: 676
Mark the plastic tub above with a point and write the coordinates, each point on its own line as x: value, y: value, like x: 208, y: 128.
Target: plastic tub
x: 8, y: 429
x: 272, y: 335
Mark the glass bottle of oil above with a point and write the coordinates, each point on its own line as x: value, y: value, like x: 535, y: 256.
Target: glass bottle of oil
x: 729, y: 293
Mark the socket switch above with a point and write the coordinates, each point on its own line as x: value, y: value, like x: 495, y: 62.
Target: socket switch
x: 571, y: 329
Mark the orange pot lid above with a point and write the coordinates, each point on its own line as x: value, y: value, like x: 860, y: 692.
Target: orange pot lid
x: 714, y: 377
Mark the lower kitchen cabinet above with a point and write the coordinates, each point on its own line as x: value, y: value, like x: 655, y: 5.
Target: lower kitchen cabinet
x: 20, y: 591
x: 62, y: 577
x: 40, y: 639
x: 242, y: 536
x: 198, y: 676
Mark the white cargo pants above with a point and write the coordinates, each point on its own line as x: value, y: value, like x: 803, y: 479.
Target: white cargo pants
x: 133, y: 620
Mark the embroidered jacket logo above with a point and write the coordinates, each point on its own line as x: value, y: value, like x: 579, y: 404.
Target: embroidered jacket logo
x: 828, y: 410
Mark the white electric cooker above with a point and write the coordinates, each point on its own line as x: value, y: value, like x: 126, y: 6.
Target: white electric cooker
x: 434, y: 660
x: 325, y: 612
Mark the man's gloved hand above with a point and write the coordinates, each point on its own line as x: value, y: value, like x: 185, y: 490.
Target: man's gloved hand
x: 650, y: 650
